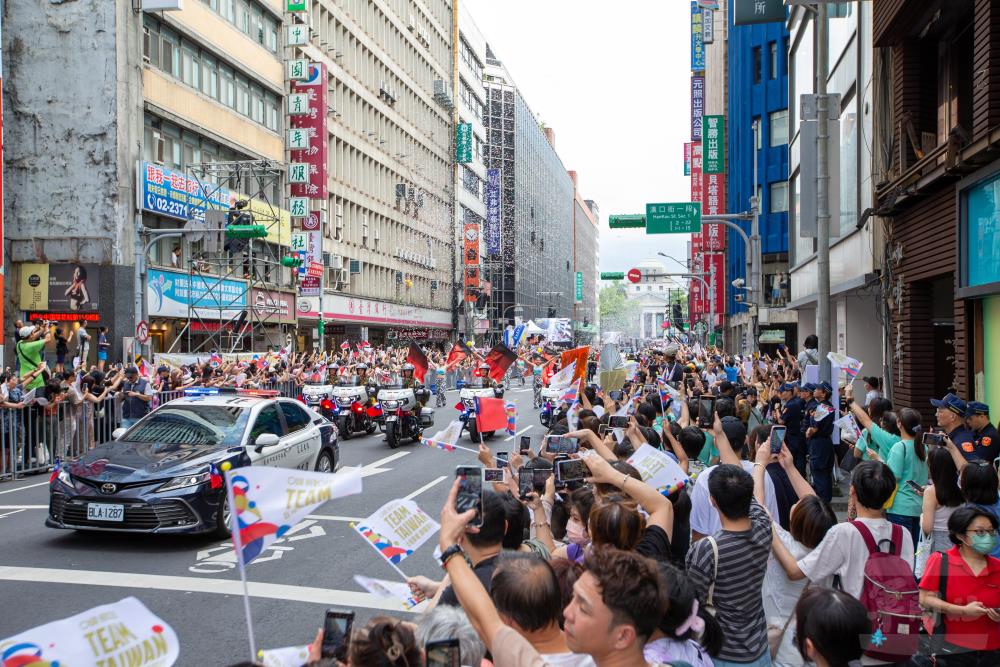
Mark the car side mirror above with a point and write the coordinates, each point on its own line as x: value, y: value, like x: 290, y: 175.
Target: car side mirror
x: 118, y: 432
x: 264, y: 440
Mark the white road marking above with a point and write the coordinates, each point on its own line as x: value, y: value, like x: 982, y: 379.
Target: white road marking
x: 327, y: 596
x: 375, y: 467
x: 425, y: 487
x: 24, y: 507
x: 22, y: 488
x: 526, y: 428
x: 5, y: 514
x: 222, y: 557
x: 332, y: 517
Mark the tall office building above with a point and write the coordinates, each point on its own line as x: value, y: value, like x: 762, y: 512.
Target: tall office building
x: 390, y: 212
x: 758, y: 85
x: 141, y: 98
x: 529, y: 259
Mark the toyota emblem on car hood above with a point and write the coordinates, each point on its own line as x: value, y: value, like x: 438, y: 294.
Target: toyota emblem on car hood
x: 108, y: 488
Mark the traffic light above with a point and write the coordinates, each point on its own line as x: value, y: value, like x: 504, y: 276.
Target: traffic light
x: 677, y: 314
x: 552, y: 312
x: 291, y: 261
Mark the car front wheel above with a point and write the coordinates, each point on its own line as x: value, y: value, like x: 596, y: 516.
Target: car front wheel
x: 222, y: 519
x: 325, y: 462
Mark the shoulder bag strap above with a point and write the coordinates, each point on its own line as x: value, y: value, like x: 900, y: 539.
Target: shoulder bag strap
x: 715, y: 571
x: 791, y: 615
x: 866, y: 535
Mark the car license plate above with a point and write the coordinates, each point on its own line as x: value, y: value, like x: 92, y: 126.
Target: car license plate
x: 105, y: 512
x: 390, y: 419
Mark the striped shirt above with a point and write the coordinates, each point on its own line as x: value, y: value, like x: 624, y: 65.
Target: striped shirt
x: 737, y: 596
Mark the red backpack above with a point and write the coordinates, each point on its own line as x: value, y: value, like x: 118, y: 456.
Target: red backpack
x: 891, y: 596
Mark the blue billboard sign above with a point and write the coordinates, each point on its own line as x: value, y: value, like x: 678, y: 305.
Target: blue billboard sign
x: 697, y: 38
x: 492, y: 234
x: 173, y: 294
x: 170, y: 193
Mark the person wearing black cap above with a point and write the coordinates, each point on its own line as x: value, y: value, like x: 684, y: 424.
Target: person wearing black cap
x: 791, y: 417
x: 987, y: 440
x: 818, y: 437
x: 136, y: 394
x: 950, y: 415
x: 808, y: 403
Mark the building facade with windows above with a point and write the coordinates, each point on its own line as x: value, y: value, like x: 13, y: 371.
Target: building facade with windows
x: 212, y: 89
x: 855, y: 251
x: 533, y: 268
x: 758, y: 95
x: 389, y: 232
x: 656, y: 293
x: 142, y: 98
x: 937, y: 183
x: 470, y: 197
x: 586, y: 260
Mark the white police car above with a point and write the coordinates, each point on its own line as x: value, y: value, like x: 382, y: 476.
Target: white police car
x: 162, y: 475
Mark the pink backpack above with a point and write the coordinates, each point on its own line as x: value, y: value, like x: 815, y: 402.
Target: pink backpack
x: 891, y: 596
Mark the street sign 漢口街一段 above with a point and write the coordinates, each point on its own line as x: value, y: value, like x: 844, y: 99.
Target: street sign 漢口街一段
x: 679, y: 218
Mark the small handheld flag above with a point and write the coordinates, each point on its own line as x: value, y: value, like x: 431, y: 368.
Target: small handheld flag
x: 511, y: 409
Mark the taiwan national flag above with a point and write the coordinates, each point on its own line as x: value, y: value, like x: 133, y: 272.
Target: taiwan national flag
x: 417, y: 357
x: 345, y: 346
x: 499, y: 360
x: 491, y: 414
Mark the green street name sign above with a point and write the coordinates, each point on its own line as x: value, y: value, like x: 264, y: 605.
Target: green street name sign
x: 579, y: 286
x: 296, y: 5
x: 613, y: 275
x: 631, y: 221
x: 682, y: 218
x: 463, y: 143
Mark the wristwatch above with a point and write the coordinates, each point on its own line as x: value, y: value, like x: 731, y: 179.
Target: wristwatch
x: 448, y: 553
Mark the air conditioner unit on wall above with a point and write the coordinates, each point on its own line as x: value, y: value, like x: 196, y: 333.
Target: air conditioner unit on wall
x: 336, y: 262
x: 344, y: 276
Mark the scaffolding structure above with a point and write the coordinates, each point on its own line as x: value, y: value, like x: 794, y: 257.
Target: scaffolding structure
x: 235, y: 257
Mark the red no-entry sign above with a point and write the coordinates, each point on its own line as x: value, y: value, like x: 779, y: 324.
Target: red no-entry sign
x: 634, y: 275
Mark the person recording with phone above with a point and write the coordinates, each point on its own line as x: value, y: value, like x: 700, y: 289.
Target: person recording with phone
x: 482, y: 546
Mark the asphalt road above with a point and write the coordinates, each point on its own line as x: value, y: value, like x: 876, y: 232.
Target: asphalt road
x: 192, y: 582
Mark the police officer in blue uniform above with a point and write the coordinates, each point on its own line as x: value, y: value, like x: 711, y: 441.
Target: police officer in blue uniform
x: 987, y: 440
x: 819, y: 440
x: 791, y: 417
x: 950, y: 415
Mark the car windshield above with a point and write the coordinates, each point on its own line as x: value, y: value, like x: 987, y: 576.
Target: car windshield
x: 213, y: 425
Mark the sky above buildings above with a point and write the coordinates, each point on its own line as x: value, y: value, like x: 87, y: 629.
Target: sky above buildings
x: 613, y: 81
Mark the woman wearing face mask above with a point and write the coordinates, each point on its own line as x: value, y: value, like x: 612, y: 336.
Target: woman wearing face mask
x: 963, y: 584
x: 581, y: 502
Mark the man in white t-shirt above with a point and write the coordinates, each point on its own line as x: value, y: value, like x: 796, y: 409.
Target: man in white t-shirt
x: 704, y: 517
x: 843, y: 551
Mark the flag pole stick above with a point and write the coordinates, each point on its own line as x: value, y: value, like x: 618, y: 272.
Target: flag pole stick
x: 238, y: 546
x: 354, y: 527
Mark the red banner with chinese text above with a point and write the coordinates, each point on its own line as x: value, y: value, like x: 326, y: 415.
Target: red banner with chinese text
x: 314, y: 120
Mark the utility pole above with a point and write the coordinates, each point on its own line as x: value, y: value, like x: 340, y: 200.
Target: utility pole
x: 823, y: 323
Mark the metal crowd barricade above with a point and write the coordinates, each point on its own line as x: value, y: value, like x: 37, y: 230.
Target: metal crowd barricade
x: 33, y: 437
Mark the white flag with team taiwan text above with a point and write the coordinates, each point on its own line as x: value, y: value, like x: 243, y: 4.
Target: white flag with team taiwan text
x: 121, y: 633
x: 268, y: 502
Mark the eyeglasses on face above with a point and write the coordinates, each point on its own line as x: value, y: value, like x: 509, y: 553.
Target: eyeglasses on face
x: 981, y: 532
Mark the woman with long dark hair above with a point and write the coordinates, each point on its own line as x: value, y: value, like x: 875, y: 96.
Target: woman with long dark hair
x: 941, y: 498
x: 908, y: 461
